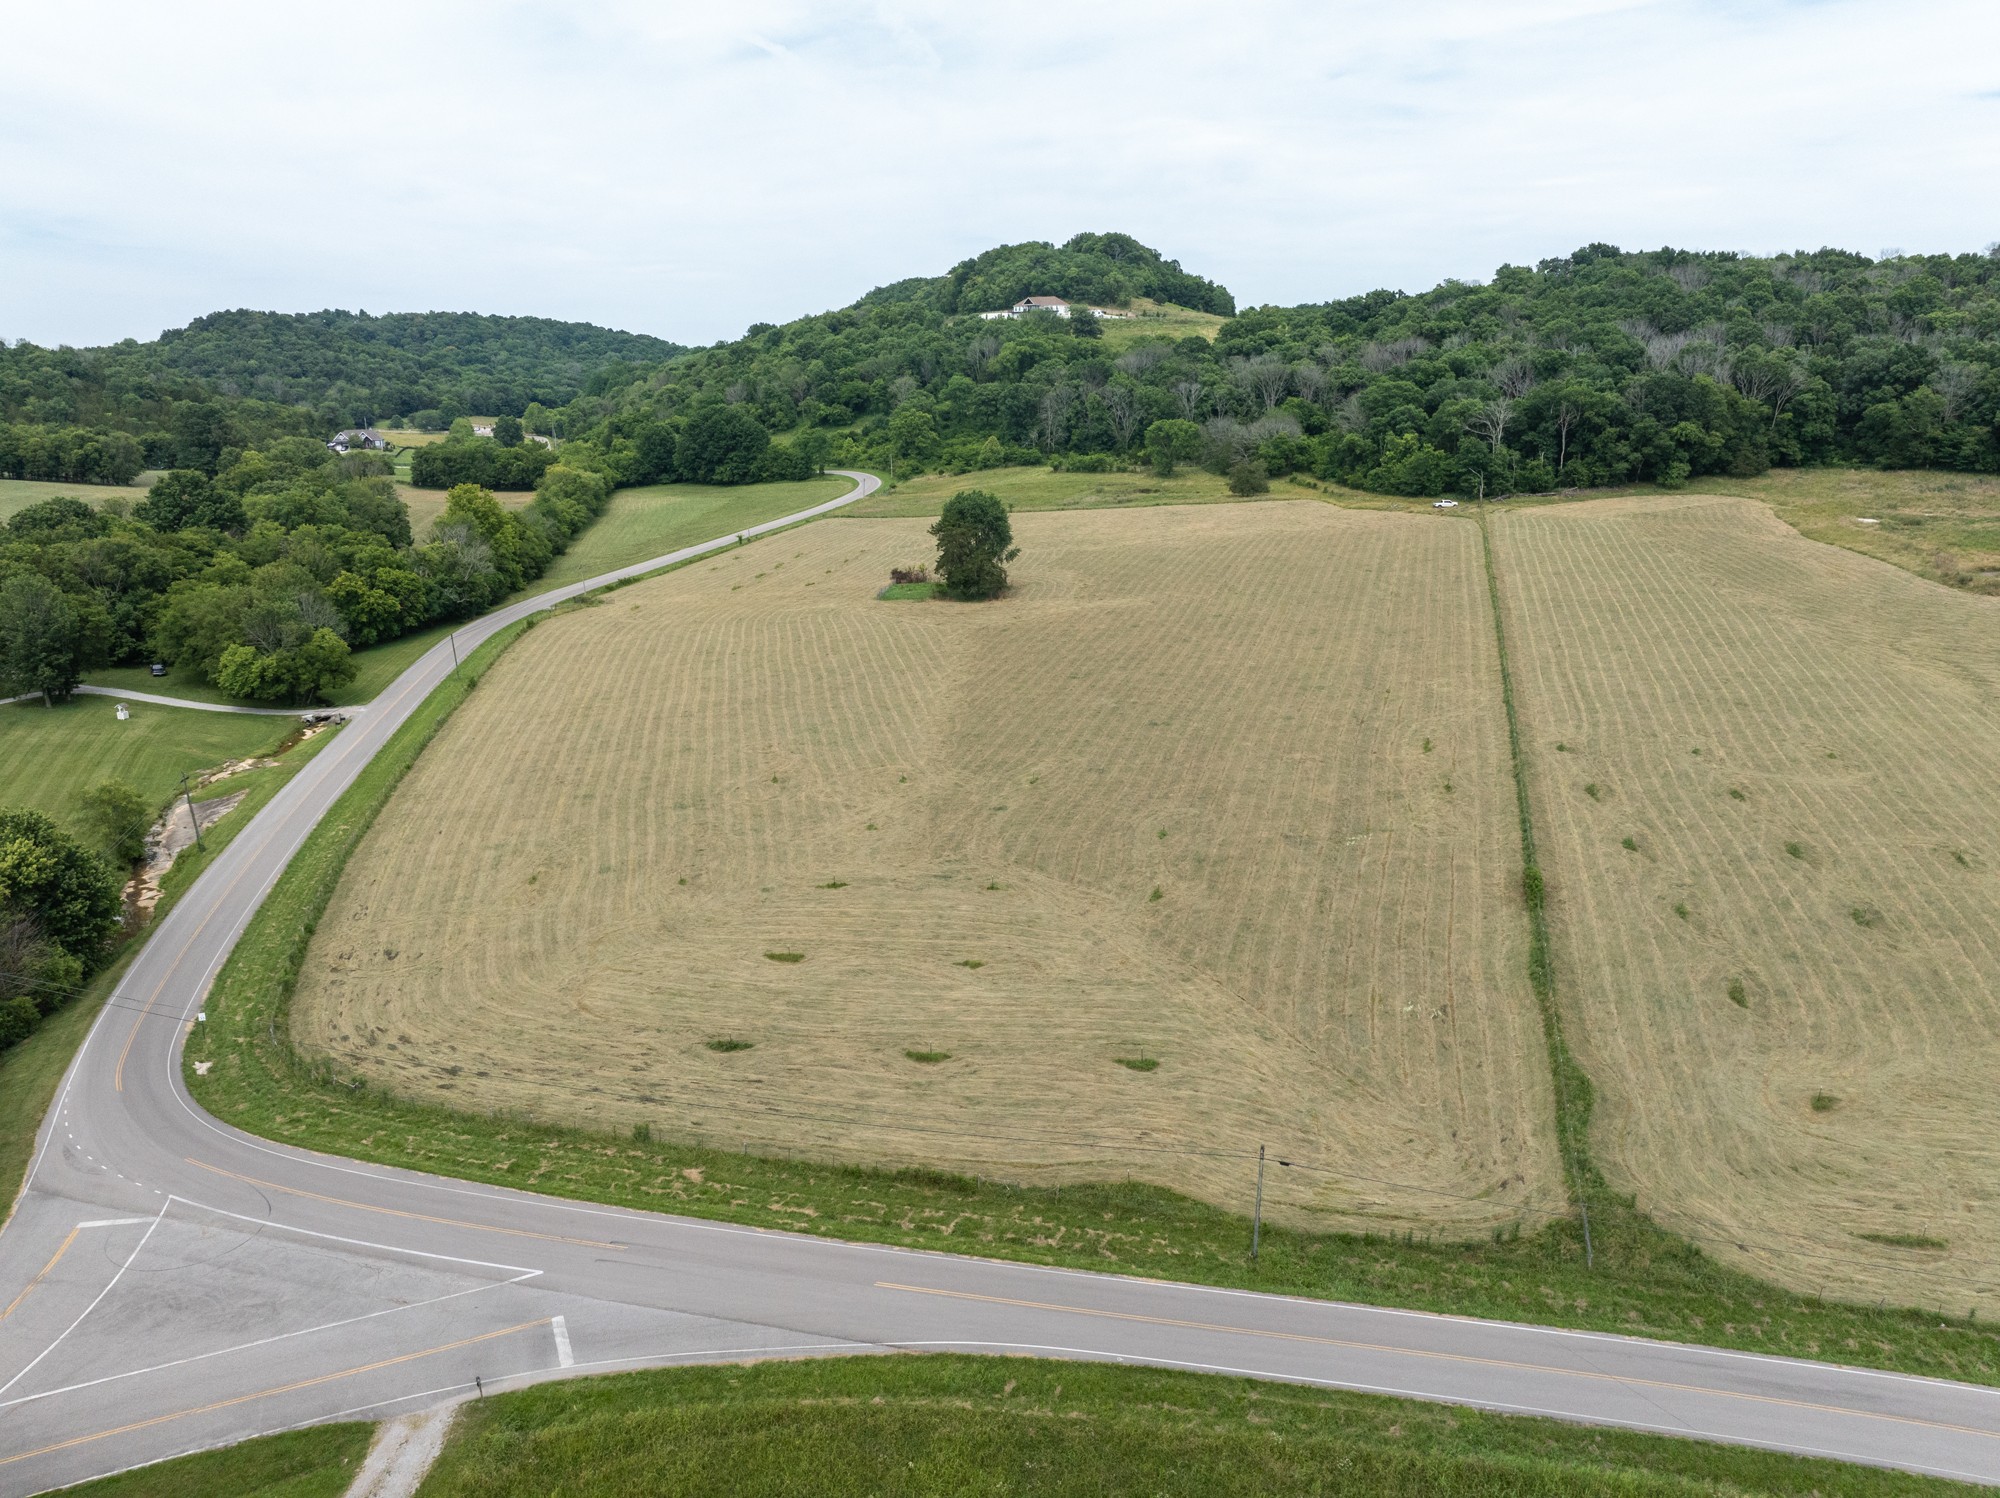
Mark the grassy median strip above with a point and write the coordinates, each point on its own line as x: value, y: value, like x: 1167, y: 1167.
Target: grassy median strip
x: 1644, y: 1282
x: 955, y: 1424
x: 318, y: 1462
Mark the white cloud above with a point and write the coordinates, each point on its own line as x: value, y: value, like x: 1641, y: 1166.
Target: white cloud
x: 688, y: 169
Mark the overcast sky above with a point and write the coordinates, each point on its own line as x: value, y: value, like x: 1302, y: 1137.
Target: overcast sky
x: 686, y: 170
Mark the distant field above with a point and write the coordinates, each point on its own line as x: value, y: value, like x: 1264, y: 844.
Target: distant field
x: 1159, y: 320
x: 1175, y: 848
x: 1039, y: 488
x: 1787, y: 988
x: 425, y: 505
x: 1943, y: 526
x: 18, y: 494
x: 650, y: 522
x: 52, y: 755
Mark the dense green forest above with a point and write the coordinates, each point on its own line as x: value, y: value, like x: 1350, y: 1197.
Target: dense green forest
x: 352, y: 369
x: 1599, y: 367
x: 233, y: 381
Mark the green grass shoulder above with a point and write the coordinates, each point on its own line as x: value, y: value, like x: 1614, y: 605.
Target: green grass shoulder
x: 894, y: 1425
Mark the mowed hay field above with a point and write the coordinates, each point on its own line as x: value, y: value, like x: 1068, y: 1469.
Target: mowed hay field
x: 1282, y: 718
x: 1788, y: 990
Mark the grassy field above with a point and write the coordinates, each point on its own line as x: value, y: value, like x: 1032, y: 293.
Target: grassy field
x: 53, y: 755
x: 318, y: 1462
x: 1641, y: 1281
x: 17, y: 494
x: 1033, y: 841
x: 1764, y: 776
x: 660, y: 518
x: 425, y: 505
x: 1941, y: 526
x: 951, y: 1424
x: 1159, y: 320
x: 1029, y: 489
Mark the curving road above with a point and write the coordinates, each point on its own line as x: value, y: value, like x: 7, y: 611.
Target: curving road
x: 168, y: 1283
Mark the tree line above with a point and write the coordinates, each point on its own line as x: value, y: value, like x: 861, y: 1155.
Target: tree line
x: 1600, y: 367
x: 265, y: 575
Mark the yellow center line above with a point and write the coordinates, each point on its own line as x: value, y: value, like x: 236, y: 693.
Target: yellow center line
x: 14, y: 1304
x: 450, y: 1222
x: 1447, y: 1357
x: 304, y: 1383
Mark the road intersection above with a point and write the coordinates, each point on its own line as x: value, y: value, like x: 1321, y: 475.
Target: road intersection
x: 169, y: 1283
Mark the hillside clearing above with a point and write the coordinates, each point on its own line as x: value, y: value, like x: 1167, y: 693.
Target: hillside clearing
x: 1801, y: 745
x: 17, y: 494
x: 1044, y: 489
x: 577, y: 886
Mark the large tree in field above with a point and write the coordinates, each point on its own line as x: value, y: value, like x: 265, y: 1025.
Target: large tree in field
x: 975, y: 540
x: 41, y: 639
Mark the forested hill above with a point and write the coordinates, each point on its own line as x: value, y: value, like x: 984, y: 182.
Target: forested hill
x: 234, y: 380
x: 1098, y: 269
x: 1603, y: 366
x: 351, y: 368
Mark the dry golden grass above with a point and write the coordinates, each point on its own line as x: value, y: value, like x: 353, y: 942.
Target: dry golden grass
x: 1833, y: 845
x: 955, y: 814
x: 425, y: 505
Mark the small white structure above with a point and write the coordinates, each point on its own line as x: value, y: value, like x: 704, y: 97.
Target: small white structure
x: 124, y: 712
x: 363, y: 439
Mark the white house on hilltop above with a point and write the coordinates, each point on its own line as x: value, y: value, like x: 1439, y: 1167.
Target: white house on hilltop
x: 366, y: 440
x: 1053, y: 304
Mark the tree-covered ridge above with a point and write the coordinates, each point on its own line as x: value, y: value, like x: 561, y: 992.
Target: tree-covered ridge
x: 1599, y: 367
x: 352, y: 368
x: 1102, y: 270
x: 100, y: 416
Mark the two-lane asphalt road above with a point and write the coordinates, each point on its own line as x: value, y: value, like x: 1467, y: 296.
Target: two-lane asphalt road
x: 168, y: 1283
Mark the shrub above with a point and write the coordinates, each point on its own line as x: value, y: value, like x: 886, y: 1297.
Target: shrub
x: 119, y: 816
x: 18, y: 1018
x: 1248, y: 476
x: 919, y: 573
x: 928, y: 1058
x: 1736, y: 994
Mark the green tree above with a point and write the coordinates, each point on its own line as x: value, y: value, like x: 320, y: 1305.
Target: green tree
x: 119, y: 816
x: 1171, y: 443
x: 815, y: 446
x: 309, y: 671
x: 42, y: 640
x: 913, y: 434
x: 69, y: 893
x: 32, y: 967
x: 1084, y: 324
x: 722, y: 445
x: 507, y: 431
x: 187, y: 498
x: 975, y: 540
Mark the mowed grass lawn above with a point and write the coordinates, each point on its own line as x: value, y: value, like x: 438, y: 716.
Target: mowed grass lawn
x: 652, y: 521
x: 17, y: 494
x: 921, y: 1425
x: 318, y: 1462
x: 53, y: 755
x: 1764, y: 773
x: 1172, y: 852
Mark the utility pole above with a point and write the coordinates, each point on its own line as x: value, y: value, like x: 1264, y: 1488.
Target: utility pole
x: 1257, y: 1219
x: 192, y: 818
x: 454, y: 652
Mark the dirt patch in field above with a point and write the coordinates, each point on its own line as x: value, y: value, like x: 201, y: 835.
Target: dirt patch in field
x: 1788, y: 987
x: 1223, y: 787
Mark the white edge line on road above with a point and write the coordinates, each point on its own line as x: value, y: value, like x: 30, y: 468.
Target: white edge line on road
x: 113, y: 1222
x: 325, y: 1326
x: 521, y: 1271
x: 143, y: 1237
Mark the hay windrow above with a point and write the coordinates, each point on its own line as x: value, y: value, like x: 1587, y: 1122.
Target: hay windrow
x: 953, y: 814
